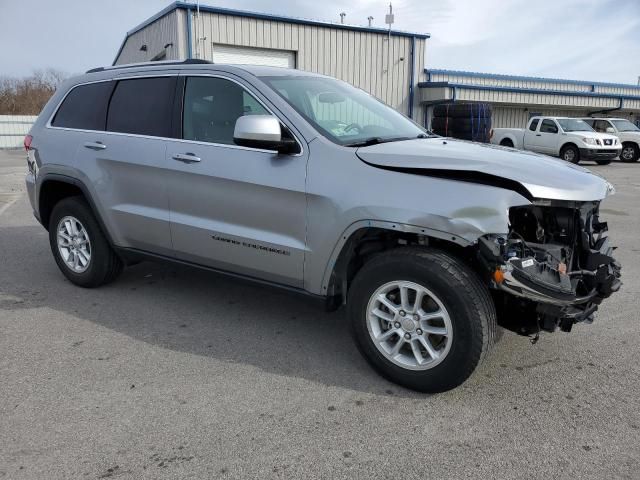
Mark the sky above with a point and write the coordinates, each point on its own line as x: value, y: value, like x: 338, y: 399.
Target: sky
x: 595, y: 40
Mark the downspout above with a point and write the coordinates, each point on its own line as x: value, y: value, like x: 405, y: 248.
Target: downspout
x: 189, y: 39
x: 608, y: 110
x: 412, y: 80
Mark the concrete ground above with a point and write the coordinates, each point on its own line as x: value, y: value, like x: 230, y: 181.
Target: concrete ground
x: 176, y: 373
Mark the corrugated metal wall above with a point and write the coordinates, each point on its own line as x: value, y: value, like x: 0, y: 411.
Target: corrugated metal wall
x: 358, y: 57
x: 13, y: 128
x: 545, y: 84
x: 526, y: 98
x: 170, y: 28
x: 517, y: 117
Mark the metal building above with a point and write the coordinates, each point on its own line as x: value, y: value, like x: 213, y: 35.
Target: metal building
x: 515, y: 98
x: 388, y: 64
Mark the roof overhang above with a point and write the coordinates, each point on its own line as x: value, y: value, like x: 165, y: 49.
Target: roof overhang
x: 440, y: 92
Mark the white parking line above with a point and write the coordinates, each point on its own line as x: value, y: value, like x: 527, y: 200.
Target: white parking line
x: 6, y: 207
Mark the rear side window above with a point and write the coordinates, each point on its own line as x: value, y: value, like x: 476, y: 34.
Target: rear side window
x: 85, y: 107
x: 142, y: 106
x: 534, y: 124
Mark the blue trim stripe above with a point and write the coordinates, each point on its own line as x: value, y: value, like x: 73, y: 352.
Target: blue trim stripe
x: 411, y: 81
x: 497, y: 76
x: 539, y: 91
x: 189, y: 36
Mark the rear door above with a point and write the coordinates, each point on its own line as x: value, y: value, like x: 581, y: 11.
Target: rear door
x: 128, y: 163
x: 234, y: 208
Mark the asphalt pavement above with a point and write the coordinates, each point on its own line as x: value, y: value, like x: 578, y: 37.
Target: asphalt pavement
x: 171, y: 372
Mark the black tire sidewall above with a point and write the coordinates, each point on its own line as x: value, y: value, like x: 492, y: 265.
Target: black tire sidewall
x: 636, y: 154
x: 466, y: 323
x: 576, y: 158
x: 100, y: 249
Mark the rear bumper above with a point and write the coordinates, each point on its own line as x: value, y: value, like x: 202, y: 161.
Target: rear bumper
x: 599, y: 154
x: 30, y: 181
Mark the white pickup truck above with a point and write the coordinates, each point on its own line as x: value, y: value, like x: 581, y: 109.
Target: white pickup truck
x: 627, y: 133
x: 568, y: 138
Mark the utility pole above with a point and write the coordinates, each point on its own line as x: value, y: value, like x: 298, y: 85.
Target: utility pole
x: 388, y: 19
x: 342, y: 15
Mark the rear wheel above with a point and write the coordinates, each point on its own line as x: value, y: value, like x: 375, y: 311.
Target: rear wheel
x: 421, y: 318
x: 507, y: 143
x: 79, y: 247
x: 570, y: 153
x: 630, y: 153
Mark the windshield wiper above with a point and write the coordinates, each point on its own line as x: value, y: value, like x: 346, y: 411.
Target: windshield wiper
x: 375, y: 141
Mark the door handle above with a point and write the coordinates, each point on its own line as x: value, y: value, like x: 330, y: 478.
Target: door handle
x: 95, y: 145
x: 186, y: 157
x: 538, y: 134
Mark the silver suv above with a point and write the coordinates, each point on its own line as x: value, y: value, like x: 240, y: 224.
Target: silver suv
x: 305, y: 182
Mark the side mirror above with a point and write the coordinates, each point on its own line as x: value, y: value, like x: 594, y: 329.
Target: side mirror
x: 610, y: 130
x: 263, y: 132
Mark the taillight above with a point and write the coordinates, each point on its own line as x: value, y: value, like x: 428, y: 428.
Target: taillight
x: 27, y: 142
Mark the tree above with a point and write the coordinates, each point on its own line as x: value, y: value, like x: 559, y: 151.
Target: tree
x: 28, y: 95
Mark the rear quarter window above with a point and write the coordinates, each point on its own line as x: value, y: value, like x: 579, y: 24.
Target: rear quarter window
x: 85, y: 107
x: 142, y: 106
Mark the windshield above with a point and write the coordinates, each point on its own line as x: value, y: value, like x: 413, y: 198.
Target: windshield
x: 625, y: 126
x: 574, y: 125
x: 344, y: 114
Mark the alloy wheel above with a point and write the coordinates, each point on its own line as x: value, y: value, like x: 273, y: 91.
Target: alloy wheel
x: 409, y: 325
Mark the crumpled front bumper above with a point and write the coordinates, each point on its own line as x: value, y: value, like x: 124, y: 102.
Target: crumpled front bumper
x: 549, y: 292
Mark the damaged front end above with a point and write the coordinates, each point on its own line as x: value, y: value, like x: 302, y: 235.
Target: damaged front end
x: 553, y: 268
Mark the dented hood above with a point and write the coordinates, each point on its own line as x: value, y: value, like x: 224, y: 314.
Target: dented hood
x: 542, y: 176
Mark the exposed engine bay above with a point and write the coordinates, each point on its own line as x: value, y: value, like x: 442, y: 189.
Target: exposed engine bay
x: 553, y: 268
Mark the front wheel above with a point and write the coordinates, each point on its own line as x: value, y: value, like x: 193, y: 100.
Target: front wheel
x: 603, y: 162
x: 570, y: 154
x: 421, y: 318
x: 630, y: 153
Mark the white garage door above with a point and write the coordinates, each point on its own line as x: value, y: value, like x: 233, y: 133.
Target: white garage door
x: 253, y: 56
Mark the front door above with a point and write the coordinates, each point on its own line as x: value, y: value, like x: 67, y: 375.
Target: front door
x: 234, y: 208
x: 546, y: 140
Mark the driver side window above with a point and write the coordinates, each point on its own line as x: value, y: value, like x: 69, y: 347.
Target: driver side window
x: 212, y: 106
x: 548, y: 126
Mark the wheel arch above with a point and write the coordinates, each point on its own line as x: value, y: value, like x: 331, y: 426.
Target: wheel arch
x: 365, y: 238
x: 54, y: 187
x: 569, y: 144
x: 631, y: 143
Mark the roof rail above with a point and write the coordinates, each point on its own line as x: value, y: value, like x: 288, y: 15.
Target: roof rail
x: 190, y: 61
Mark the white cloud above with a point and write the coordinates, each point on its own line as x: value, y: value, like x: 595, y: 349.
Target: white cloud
x: 581, y: 39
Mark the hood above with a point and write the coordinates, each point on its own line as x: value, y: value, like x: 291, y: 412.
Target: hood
x: 601, y: 136
x: 542, y: 176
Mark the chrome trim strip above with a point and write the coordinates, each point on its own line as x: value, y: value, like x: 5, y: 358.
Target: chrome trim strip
x: 176, y: 74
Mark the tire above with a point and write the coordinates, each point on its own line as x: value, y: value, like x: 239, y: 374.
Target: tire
x: 603, y: 162
x: 630, y: 153
x: 507, y: 143
x: 469, y: 124
x: 440, y: 123
x: 102, y: 264
x: 463, y: 298
x: 462, y: 110
x: 570, y: 153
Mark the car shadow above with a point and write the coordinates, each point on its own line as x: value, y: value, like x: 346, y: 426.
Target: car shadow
x: 197, y: 312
